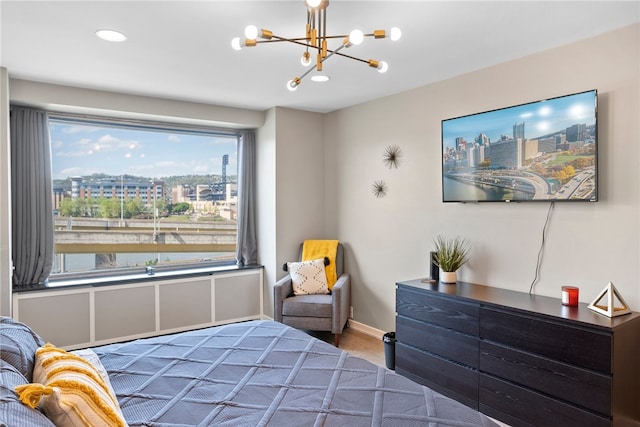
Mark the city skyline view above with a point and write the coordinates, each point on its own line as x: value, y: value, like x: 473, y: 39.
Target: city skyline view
x: 540, y: 118
x: 545, y: 150
x: 79, y: 149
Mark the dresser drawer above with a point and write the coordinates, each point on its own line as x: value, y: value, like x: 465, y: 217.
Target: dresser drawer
x: 501, y: 397
x: 445, y: 377
x: 584, y: 388
x: 442, y: 311
x: 459, y: 347
x: 587, y: 348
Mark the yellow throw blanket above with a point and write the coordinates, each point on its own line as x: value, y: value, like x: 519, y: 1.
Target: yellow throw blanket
x: 315, y: 249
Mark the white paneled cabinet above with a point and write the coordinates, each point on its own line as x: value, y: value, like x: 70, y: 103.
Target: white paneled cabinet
x: 80, y: 317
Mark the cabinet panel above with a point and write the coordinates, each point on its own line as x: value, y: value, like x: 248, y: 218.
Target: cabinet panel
x: 449, y: 344
x: 445, y: 312
x: 527, y: 406
x: 584, y: 388
x: 122, y: 312
x: 451, y: 379
x: 185, y: 304
x: 59, y: 319
x: 583, y: 347
x: 237, y: 297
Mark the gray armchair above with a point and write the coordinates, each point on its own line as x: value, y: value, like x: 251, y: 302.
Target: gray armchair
x: 315, y: 312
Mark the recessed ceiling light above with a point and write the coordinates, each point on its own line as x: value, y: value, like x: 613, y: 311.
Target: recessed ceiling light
x: 320, y: 78
x: 111, y: 35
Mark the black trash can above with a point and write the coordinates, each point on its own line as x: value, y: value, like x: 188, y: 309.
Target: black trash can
x: 389, y: 340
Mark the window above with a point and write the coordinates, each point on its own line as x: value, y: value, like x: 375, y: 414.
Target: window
x: 136, y: 195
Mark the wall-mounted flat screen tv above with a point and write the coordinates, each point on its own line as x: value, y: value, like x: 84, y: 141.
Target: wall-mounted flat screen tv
x: 541, y: 151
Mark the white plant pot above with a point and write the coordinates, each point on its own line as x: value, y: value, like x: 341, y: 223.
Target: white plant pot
x: 448, y: 276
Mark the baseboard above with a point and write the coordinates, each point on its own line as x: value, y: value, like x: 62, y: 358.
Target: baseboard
x: 356, y: 326
x: 366, y: 329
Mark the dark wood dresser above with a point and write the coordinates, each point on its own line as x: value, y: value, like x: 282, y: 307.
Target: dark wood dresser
x: 526, y: 360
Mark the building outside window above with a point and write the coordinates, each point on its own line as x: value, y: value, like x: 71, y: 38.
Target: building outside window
x: 131, y: 196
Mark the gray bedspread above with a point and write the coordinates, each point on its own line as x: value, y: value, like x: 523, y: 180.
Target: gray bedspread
x: 263, y: 373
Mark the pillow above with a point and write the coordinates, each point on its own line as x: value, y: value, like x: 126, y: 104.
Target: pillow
x: 12, y: 411
x: 18, y: 345
x: 308, y: 277
x: 91, y: 357
x: 71, y: 390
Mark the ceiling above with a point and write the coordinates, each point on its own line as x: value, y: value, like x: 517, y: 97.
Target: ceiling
x: 181, y: 49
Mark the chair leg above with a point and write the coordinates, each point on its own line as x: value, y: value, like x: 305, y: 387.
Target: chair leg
x: 336, y: 339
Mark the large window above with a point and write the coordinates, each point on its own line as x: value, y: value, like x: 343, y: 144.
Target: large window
x: 135, y: 195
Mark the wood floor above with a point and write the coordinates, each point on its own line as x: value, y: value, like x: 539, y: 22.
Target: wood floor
x: 358, y: 344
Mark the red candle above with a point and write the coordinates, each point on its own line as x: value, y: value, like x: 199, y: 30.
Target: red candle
x: 570, y: 296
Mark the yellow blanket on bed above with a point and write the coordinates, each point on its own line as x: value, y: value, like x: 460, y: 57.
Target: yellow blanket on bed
x: 315, y: 249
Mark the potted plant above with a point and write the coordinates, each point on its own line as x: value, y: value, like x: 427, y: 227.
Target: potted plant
x: 450, y: 254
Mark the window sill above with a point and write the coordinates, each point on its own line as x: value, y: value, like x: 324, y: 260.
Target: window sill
x: 137, y: 277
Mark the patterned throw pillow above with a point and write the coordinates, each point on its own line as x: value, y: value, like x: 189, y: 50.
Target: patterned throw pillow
x: 308, y: 277
x: 71, y: 391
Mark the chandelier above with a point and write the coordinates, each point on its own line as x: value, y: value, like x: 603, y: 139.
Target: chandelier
x: 316, y: 39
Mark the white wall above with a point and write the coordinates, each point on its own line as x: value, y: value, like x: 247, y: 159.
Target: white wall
x: 291, y: 189
x: 388, y: 239
x: 5, y: 202
x: 315, y: 174
x: 89, y: 101
x: 266, y: 210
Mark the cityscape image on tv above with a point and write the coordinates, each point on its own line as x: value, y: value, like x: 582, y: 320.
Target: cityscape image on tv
x: 543, y: 150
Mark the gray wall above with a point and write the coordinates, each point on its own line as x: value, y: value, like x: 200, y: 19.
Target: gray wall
x: 388, y: 239
x: 339, y: 155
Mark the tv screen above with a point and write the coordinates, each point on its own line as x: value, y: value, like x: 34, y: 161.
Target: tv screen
x: 540, y: 151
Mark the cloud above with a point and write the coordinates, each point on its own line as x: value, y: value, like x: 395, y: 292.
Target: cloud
x: 173, y: 138
x: 79, y: 129
x: 109, y: 143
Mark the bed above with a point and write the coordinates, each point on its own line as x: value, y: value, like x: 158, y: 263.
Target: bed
x: 256, y: 373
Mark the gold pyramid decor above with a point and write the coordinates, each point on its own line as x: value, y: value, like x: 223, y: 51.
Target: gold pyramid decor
x: 609, y: 308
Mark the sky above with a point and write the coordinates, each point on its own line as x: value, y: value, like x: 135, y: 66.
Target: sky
x: 540, y: 118
x: 84, y: 149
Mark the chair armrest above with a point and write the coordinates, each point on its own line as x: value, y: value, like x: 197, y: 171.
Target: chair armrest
x: 341, y: 300
x: 282, y: 289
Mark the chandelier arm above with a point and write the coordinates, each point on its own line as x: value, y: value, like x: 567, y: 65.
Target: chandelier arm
x: 335, y: 52
x: 303, y: 75
x: 298, y: 40
x: 293, y: 40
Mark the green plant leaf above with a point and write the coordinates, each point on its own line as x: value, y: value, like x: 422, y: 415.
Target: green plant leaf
x: 451, y: 252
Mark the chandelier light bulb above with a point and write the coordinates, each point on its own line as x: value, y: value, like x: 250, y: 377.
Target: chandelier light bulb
x: 395, y: 34
x: 305, y: 60
x: 292, y: 85
x: 313, y: 3
x: 383, y: 67
x: 251, y: 32
x: 235, y: 43
x: 356, y: 37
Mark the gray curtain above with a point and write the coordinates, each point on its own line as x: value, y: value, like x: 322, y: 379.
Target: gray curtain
x: 247, y: 248
x: 31, y: 197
